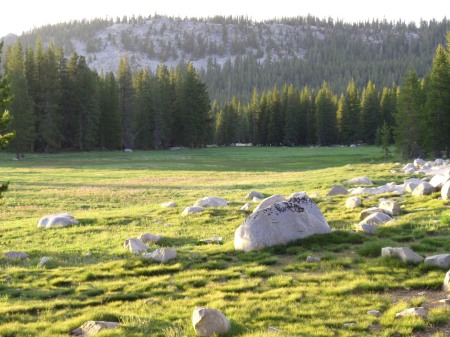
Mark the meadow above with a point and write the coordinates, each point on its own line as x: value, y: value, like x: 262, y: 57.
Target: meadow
x: 116, y: 196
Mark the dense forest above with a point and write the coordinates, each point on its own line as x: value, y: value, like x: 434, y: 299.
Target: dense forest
x: 60, y: 103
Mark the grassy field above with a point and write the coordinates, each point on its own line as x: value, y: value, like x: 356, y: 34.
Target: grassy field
x: 117, y: 196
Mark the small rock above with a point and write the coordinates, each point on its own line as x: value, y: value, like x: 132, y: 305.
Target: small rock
x: 254, y: 194
x: 445, y: 301
x: 57, y: 220
x: 207, y: 322
x: 366, y: 228
x: 404, y: 254
x: 360, y: 181
x: 445, y: 191
x: 135, y: 246
x: 168, y: 204
x: 272, y: 329
x: 192, y: 209
x: 369, y: 211
x: 390, y: 207
x: 440, y: 260
x: 211, y: 202
x: 312, y: 259
x: 214, y: 239
x: 375, y: 313
x: 162, y: 255
x: 150, y: 301
x: 267, y: 202
x: 147, y: 237
x: 93, y: 327
x: 349, y: 324
x: 446, y: 285
x: 246, y: 207
x: 353, y: 202
x: 8, y: 278
x: 43, y: 261
x: 128, y: 150
x: 423, y: 189
x: 419, y: 311
x: 12, y: 255
x: 337, y: 190
x: 419, y: 162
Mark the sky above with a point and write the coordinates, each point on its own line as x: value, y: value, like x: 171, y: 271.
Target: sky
x: 19, y: 16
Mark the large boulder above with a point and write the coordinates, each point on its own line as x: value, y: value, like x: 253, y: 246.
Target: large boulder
x: 93, y: 327
x: 423, y: 189
x: 404, y: 254
x: 439, y: 180
x: 337, y: 190
x: 440, y: 261
x: 211, y: 202
x: 390, y: 207
x: 269, y: 201
x: 360, y: 181
x: 280, y: 223
x: 411, y: 184
x: 445, y: 191
x: 208, y: 322
x: 57, y: 220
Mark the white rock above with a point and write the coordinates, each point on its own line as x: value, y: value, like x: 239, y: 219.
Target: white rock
x: 312, y: 259
x: 57, y: 220
x: 419, y: 311
x: 390, y: 207
x: 168, y: 204
x: 369, y: 211
x: 147, y: 237
x: 43, y: 261
x: 438, y: 181
x: 353, y: 202
x: 446, y: 284
x: 366, y: 228
x: 404, y: 254
x: 440, y: 260
x: 375, y: 313
x: 337, y: 190
x: 93, y: 327
x: 360, y: 181
x: 207, y: 322
x: 280, y: 223
x: 375, y: 219
x: 254, y: 194
x: 411, y: 184
x: 246, y: 207
x: 445, y: 191
x: 128, y: 150
x: 162, y: 255
x: 423, y: 189
x: 419, y: 162
x: 214, y: 239
x: 211, y: 202
x: 192, y: 209
x: 269, y: 202
x: 135, y: 246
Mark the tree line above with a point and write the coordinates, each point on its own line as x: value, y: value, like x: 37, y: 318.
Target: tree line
x: 61, y: 104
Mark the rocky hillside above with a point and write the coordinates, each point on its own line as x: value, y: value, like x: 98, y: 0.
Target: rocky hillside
x: 302, y: 50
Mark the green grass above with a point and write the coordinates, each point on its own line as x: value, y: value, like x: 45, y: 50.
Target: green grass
x: 117, y: 196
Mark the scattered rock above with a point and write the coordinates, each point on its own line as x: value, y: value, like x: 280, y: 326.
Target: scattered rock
x: 353, y: 202
x: 93, y: 327
x: 192, y: 209
x: 375, y: 313
x: 445, y: 301
x: 280, y: 223
x: 376, y: 219
x: 423, y: 189
x: 43, y: 261
x: 269, y: 201
x: 207, y: 322
x: 211, y: 202
x: 57, y: 220
x: 439, y: 180
x: 369, y: 211
x: 419, y: 162
x: 312, y: 259
x: 411, y: 184
x: 272, y: 329
x: 337, y: 190
x: 254, y: 194
x: 360, y: 181
x: 441, y: 261
x: 12, y: 255
x: 214, y: 239
x: 390, y: 207
x: 162, y: 255
x: 366, y: 228
x: 446, y: 285
x: 147, y: 237
x: 419, y: 311
x: 168, y: 204
x: 135, y: 246
x: 8, y: 278
x: 246, y: 207
x: 445, y: 191
x: 404, y: 254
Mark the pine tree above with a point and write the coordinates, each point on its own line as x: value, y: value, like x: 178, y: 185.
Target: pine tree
x: 276, y: 118
x: 21, y: 108
x: 349, y: 115
x: 126, y: 102
x: 110, y: 124
x: 370, y: 113
x: 5, y: 118
x: 326, y: 107
x: 294, y: 126
x: 143, y: 86
x: 254, y: 110
x: 308, y: 114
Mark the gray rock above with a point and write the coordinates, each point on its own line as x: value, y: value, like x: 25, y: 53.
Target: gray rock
x: 192, y: 209
x: 254, y: 194
x: 404, y: 254
x: 419, y: 311
x: 162, y: 255
x: 366, y: 228
x: 147, y: 237
x: 376, y: 219
x: 272, y: 329
x: 135, y: 246
x: 13, y: 255
x: 168, y: 204
x: 439, y: 180
x: 390, y: 207
x: 375, y: 313
x: 297, y: 195
x: 246, y: 207
x: 419, y: 162
x: 445, y: 301
x: 423, y: 189
x: 440, y: 261
x: 446, y: 284
x: 337, y: 190
x: 353, y: 202
x: 445, y: 191
x: 128, y: 150
x: 312, y: 259
x: 411, y: 184
x: 43, y: 261
x: 57, y: 220
x: 360, y: 181
x: 207, y: 322
x: 214, y: 239
x: 93, y: 327
x: 280, y: 223
x: 369, y: 211
x: 211, y: 202
x: 267, y: 202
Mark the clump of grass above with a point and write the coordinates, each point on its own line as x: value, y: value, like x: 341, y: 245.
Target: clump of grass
x: 445, y: 218
x: 373, y: 248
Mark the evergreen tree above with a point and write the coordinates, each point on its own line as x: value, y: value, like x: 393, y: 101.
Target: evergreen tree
x: 144, y: 84
x: 21, y: 108
x: 437, y: 108
x: 226, y: 124
x: 5, y: 118
x: 294, y: 127
x: 110, y: 124
x: 308, y: 114
x: 370, y: 113
x: 254, y: 111
x: 126, y: 102
x: 164, y: 100
x: 409, y: 128
x: 276, y: 118
x: 349, y: 115
x: 326, y: 107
